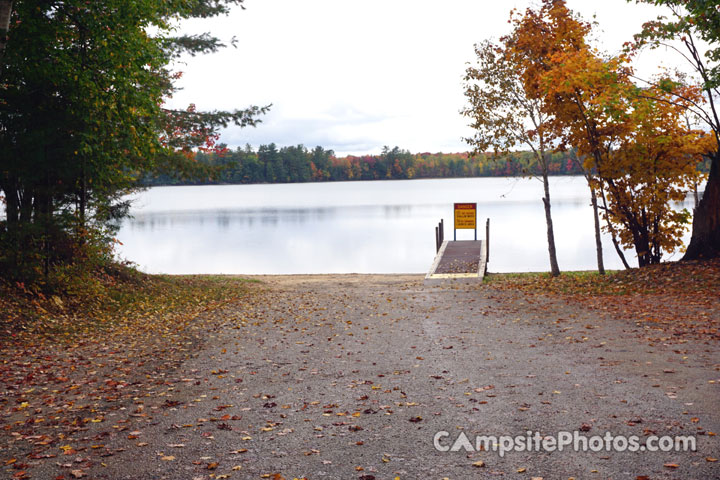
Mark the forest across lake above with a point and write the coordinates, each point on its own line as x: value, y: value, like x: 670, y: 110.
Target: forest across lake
x: 296, y: 164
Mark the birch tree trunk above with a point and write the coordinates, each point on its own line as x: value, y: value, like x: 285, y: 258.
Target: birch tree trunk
x: 554, y: 269
x: 613, y: 233
x: 598, y: 240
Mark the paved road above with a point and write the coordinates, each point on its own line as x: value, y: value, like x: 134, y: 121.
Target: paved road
x: 352, y: 377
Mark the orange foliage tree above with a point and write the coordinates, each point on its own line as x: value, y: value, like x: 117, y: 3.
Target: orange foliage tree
x: 552, y: 45
x: 504, y: 116
x: 650, y: 168
x: 638, y: 155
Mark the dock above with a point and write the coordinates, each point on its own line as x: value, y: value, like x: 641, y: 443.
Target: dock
x: 463, y: 261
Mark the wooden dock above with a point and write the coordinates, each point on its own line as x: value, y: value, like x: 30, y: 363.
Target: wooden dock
x: 462, y: 261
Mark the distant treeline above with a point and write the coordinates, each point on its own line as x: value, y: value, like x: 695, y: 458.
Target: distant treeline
x: 268, y: 164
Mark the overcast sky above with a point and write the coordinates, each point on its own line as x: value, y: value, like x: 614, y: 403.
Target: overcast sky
x: 354, y: 76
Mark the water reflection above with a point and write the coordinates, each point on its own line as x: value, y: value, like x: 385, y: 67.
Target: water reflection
x: 364, y: 227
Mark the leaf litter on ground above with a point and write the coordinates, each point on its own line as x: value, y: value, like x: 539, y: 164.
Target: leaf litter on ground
x: 671, y: 300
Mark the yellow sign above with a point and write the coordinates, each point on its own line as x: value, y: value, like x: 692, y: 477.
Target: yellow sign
x: 466, y: 216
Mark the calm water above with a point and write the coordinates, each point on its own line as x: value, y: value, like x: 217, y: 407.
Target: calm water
x: 361, y: 227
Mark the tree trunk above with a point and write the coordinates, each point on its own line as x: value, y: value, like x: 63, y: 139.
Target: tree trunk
x: 642, y: 248
x: 26, y: 198
x: 598, y: 239
x: 8, y: 186
x: 82, y: 205
x: 613, y: 233
x: 5, y: 12
x: 12, y: 207
x: 705, y: 240
x: 554, y: 269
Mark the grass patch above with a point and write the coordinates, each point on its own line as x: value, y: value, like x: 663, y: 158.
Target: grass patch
x: 698, y: 277
x: 94, y: 351
x: 670, y: 301
x: 115, y: 298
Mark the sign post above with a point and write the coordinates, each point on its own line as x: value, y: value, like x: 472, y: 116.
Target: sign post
x: 465, y: 218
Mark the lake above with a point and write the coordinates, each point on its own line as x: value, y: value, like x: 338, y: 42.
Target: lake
x: 355, y: 227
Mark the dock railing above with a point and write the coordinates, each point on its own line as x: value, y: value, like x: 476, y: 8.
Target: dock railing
x: 487, y: 240
x: 439, y: 235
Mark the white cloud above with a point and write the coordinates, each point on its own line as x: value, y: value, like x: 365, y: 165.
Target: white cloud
x: 354, y: 76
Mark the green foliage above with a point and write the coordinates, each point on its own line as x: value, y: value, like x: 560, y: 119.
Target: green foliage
x: 688, y: 19
x: 82, y: 120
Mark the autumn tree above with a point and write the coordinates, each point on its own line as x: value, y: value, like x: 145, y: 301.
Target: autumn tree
x: 688, y: 25
x: 82, y: 119
x: 545, y: 40
x: 505, y: 116
x: 635, y: 148
x: 650, y: 169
